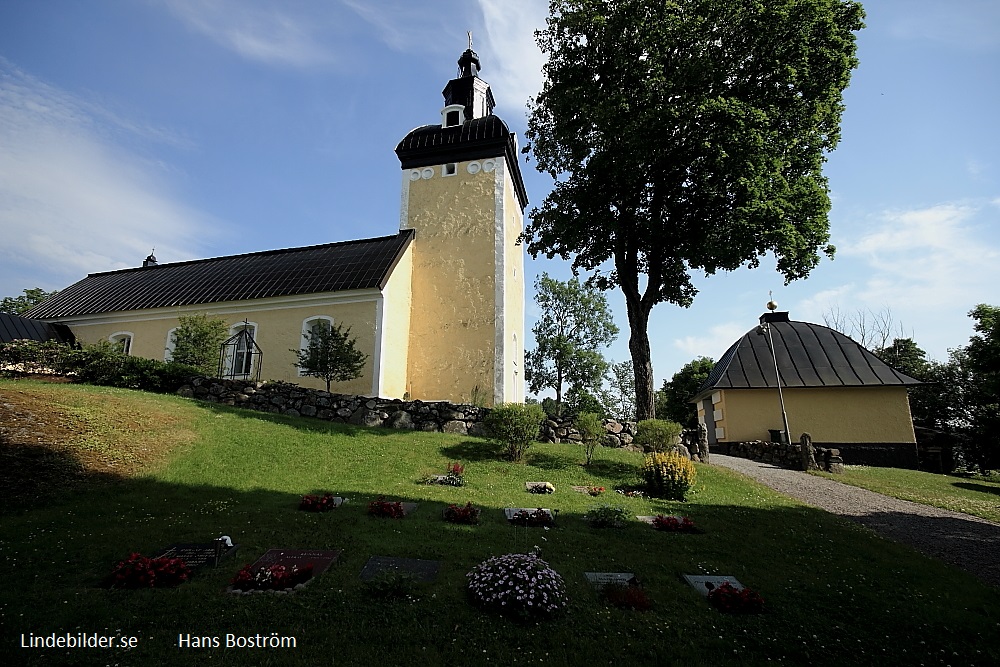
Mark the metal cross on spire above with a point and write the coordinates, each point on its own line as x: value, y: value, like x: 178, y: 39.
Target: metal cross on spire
x: 470, y: 40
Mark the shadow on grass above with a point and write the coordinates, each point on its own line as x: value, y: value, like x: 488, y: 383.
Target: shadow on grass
x: 982, y: 488
x: 615, y: 470
x: 474, y: 450
x: 549, y: 461
x: 307, y: 424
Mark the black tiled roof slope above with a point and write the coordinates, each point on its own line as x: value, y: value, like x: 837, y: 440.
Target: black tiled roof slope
x: 13, y: 327
x: 809, y: 355
x: 331, y: 267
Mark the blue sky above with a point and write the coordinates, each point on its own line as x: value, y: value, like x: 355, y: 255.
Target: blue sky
x: 217, y: 127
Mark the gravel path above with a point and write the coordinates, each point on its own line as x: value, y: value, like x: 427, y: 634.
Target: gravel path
x: 964, y: 541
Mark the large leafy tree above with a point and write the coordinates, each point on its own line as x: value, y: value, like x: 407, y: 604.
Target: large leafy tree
x: 673, y: 399
x: 621, y: 398
x: 197, y: 342
x: 575, y: 322
x: 983, y: 354
x: 686, y: 136
x: 15, y: 305
x: 331, y: 354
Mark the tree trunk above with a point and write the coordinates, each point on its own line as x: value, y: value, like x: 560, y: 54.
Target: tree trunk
x: 642, y: 365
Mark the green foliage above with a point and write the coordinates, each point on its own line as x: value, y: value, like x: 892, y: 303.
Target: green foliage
x: 983, y: 399
x: 687, y: 137
x: 668, y: 475
x: 392, y: 585
x: 621, y: 398
x: 15, y: 305
x: 580, y: 400
x: 574, y: 323
x: 514, y: 426
x: 479, y: 396
x: 331, y: 354
x: 673, y: 399
x: 198, y: 341
x: 656, y: 435
x: 591, y: 431
x: 607, y: 516
x: 104, y: 364
x: 23, y: 357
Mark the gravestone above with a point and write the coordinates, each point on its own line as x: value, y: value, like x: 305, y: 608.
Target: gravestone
x: 320, y: 560
x: 539, y: 487
x: 601, y: 579
x: 422, y: 570
x: 509, y: 512
x: 705, y: 583
x: 199, y: 554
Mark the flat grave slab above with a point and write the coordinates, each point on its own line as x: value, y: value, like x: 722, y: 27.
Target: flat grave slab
x: 539, y: 487
x: 509, y: 512
x: 585, y: 490
x: 421, y: 570
x: 704, y: 583
x: 198, y: 554
x: 319, y: 559
x: 601, y: 579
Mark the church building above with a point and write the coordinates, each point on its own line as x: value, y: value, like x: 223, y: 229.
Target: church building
x: 438, y: 308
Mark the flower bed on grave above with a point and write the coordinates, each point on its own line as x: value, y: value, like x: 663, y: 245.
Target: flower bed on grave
x: 138, y: 571
x: 277, y: 577
x: 384, y: 509
x: 519, y: 585
x: 732, y: 600
x: 674, y: 524
x: 466, y: 514
x: 316, y: 503
x: 538, y: 518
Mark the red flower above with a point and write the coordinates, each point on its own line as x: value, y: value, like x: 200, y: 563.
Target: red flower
x: 467, y: 514
x: 672, y: 524
x: 727, y: 598
x: 318, y: 504
x: 138, y: 571
x: 384, y: 509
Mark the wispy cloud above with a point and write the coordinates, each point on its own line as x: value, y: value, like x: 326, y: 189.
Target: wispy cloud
x: 75, y: 197
x: 928, y: 267
x: 510, y: 43
x: 714, y: 342
x: 271, y: 33
x: 970, y: 24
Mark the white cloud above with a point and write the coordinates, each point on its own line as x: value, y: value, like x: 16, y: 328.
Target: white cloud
x: 510, y: 44
x: 714, y: 343
x: 73, y: 199
x: 970, y: 24
x: 264, y: 32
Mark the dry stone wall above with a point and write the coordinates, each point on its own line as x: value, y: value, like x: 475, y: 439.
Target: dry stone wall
x: 787, y: 455
x: 290, y: 399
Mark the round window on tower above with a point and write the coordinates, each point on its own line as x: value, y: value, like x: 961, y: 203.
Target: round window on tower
x: 426, y: 173
x: 489, y: 165
x: 473, y: 167
x: 414, y: 175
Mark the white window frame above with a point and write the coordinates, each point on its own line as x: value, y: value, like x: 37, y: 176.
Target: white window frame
x: 125, y: 338
x: 168, y: 350
x: 460, y: 108
x: 306, y: 327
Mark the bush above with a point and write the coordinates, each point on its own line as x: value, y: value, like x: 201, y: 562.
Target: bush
x: 591, y: 431
x: 657, y: 435
x: 514, y: 426
x: 392, y: 585
x: 668, y: 475
x: 103, y: 364
x: 384, y: 509
x: 626, y: 597
x: 22, y: 357
x: 518, y: 584
x: 458, y: 514
x: 606, y: 516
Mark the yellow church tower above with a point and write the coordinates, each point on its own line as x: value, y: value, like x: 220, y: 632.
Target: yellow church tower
x: 464, y: 197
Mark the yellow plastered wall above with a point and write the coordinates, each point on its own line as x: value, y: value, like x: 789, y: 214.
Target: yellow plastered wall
x: 279, y: 331
x: 513, y: 363
x: 452, y: 313
x: 396, y: 309
x: 828, y: 414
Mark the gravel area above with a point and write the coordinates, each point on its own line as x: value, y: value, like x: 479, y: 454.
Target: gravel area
x: 964, y: 541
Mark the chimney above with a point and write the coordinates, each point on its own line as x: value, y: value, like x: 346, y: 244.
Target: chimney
x: 150, y: 260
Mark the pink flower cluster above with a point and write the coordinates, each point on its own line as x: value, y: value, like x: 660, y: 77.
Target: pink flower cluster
x: 519, y: 584
x: 274, y: 578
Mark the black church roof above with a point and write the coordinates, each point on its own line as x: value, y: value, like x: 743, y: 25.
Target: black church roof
x: 333, y: 267
x: 475, y: 139
x: 14, y: 327
x: 808, y: 355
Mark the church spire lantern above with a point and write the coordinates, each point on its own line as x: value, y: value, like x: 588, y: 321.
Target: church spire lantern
x: 467, y: 94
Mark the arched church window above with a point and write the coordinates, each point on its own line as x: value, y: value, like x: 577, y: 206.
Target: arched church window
x: 168, y: 352
x: 313, y: 325
x: 122, y: 340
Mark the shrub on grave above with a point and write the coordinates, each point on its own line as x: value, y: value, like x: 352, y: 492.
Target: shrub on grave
x: 514, y: 426
x: 316, y: 503
x: 591, y: 431
x: 731, y: 600
x: 459, y: 514
x: 518, y: 585
x: 656, y: 435
x: 626, y: 596
x: 384, y: 509
x: 668, y: 475
x: 606, y: 516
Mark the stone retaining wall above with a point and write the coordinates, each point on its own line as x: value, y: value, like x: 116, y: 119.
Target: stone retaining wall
x: 290, y: 399
x: 786, y: 455
x: 617, y: 434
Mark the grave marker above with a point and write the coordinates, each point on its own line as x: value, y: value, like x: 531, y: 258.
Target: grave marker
x: 601, y: 579
x: 320, y: 560
x: 705, y: 583
x: 422, y: 570
x: 199, y: 554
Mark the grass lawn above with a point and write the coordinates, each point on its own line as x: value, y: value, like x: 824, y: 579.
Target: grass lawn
x: 970, y: 495
x: 835, y: 593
